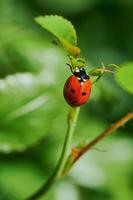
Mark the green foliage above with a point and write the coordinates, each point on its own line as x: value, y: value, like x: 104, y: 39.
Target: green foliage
x: 124, y: 77
x: 22, y: 108
x: 25, y: 173
x: 68, y: 7
x: 59, y: 26
x: 32, y: 108
x: 62, y: 29
x: 107, y: 169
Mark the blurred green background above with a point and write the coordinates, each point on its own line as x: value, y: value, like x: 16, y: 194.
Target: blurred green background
x: 32, y: 109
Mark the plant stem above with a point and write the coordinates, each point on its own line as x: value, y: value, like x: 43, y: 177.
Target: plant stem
x: 71, y: 121
x: 77, y: 153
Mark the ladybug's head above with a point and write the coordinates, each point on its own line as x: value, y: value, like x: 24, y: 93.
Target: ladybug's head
x: 81, y: 74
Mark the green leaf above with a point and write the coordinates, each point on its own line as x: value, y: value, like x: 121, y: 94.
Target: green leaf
x: 29, y: 103
x: 21, y: 96
x: 62, y: 29
x: 124, y: 77
x: 27, y: 108
x: 20, y: 178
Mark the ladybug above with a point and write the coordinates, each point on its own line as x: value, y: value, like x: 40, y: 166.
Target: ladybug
x: 77, y: 88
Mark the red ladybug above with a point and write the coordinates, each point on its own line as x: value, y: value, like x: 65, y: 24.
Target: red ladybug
x: 77, y: 88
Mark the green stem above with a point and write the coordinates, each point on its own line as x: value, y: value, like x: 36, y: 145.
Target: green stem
x: 71, y: 121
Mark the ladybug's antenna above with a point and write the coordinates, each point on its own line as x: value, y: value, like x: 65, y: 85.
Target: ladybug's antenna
x: 70, y: 67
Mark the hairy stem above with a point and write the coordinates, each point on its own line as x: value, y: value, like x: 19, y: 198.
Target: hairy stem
x: 71, y: 121
x: 77, y: 153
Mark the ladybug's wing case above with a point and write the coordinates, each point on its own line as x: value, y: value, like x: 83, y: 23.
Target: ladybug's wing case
x: 76, y: 93
x: 84, y: 92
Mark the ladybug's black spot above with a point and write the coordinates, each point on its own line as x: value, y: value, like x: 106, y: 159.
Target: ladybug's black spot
x: 72, y: 90
x: 83, y: 93
x: 74, y: 102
